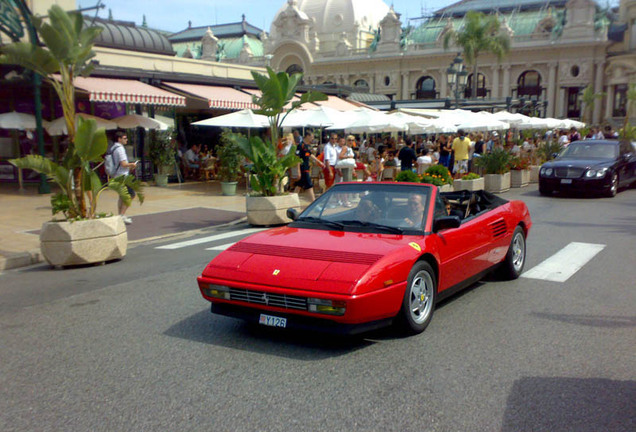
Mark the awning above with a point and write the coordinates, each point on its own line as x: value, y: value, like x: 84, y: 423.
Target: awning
x: 126, y: 91
x: 341, y: 104
x: 217, y: 96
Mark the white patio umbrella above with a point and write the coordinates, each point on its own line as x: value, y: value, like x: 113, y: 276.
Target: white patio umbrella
x: 417, y: 124
x: 131, y: 121
x: 473, y: 122
x: 58, y: 126
x: 366, y: 120
x: 240, y: 119
x: 313, y: 117
x: 17, y: 120
x: 569, y: 123
x: 513, y: 119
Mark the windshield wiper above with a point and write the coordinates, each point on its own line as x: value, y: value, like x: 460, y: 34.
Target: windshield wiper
x: 387, y: 228
x: 312, y: 219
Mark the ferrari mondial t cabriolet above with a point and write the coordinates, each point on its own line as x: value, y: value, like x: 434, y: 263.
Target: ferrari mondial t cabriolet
x: 365, y: 255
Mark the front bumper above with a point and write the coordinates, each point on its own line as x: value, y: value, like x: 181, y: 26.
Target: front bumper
x: 575, y: 184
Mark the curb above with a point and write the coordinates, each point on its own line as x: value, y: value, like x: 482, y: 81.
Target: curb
x: 20, y: 259
x: 25, y: 259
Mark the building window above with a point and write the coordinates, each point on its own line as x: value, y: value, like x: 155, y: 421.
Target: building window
x: 425, y: 88
x: 361, y: 84
x: 620, y: 101
x: 481, y: 86
x: 529, y: 84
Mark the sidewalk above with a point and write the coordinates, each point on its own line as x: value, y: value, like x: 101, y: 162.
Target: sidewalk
x: 165, y: 211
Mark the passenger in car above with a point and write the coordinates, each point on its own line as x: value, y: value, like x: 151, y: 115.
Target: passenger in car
x: 367, y: 211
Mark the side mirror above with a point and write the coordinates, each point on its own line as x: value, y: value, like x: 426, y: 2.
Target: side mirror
x: 555, y: 155
x: 446, y: 222
x: 627, y: 156
x: 292, y: 213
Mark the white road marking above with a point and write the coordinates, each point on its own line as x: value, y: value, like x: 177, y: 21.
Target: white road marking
x: 209, y: 239
x: 563, y: 264
x: 221, y: 247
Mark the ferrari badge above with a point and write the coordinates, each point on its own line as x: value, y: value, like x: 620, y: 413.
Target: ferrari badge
x: 415, y: 246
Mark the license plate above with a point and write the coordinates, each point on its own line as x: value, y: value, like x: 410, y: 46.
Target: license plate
x: 566, y: 181
x: 272, y: 321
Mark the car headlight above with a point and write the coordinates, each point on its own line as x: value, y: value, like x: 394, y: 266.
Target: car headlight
x: 547, y: 172
x: 328, y: 307
x: 216, y: 291
x: 596, y: 173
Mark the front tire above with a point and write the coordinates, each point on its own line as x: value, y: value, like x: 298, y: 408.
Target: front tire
x: 544, y: 190
x: 512, y: 265
x: 419, y: 298
x: 613, y: 189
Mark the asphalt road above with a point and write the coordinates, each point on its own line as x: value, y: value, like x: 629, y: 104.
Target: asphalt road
x: 131, y: 346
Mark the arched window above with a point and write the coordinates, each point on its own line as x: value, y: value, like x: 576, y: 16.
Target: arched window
x: 425, y: 88
x: 481, y: 86
x: 361, y: 83
x: 529, y: 84
x: 294, y: 69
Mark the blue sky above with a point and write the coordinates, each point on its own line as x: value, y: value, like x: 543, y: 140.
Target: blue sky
x: 173, y: 15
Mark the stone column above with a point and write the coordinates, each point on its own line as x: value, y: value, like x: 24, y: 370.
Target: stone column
x: 550, y: 94
x: 495, y: 82
x: 443, y: 88
x: 560, y: 103
x: 505, y: 91
x: 598, y: 88
x: 405, y: 86
x: 609, y: 104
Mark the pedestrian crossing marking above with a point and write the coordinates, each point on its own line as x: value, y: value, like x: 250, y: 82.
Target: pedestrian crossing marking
x: 221, y: 247
x: 209, y: 239
x: 563, y: 264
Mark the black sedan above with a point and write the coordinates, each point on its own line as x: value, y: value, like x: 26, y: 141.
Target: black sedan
x: 594, y: 166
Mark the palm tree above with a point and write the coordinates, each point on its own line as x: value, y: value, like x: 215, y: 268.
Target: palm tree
x: 66, y: 51
x: 629, y: 132
x: 589, y: 99
x: 480, y: 33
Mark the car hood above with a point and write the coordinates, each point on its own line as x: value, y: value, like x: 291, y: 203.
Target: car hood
x: 309, y: 259
x: 578, y: 163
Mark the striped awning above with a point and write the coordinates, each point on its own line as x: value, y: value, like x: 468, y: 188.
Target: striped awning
x: 126, y: 91
x: 217, y: 96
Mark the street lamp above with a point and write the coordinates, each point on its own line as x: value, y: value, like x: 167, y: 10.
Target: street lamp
x: 456, y: 77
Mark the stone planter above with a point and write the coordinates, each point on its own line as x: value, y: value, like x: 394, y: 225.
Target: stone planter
x: 446, y: 188
x: 228, y: 188
x: 470, y: 185
x: 84, y: 242
x: 161, y: 180
x: 497, y: 183
x: 519, y: 178
x: 265, y: 211
x: 534, y: 173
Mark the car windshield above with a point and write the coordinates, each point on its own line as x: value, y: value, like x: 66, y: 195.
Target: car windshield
x: 369, y: 207
x: 590, y: 150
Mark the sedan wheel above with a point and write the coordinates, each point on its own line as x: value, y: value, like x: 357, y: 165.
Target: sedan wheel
x: 419, y: 298
x: 613, y: 190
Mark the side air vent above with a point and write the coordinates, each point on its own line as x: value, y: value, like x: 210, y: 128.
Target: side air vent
x: 306, y: 253
x: 498, y: 228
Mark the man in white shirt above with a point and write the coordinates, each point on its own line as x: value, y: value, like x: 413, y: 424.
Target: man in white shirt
x: 192, y: 156
x: 123, y: 168
x: 330, y: 160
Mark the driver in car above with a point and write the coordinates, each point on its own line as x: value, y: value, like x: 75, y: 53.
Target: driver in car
x: 415, y: 211
x: 367, y: 211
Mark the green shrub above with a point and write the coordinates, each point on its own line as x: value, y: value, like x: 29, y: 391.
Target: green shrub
x: 547, y: 151
x: 439, y: 172
x: 471, y: 176
x: 436, y: 181
x: 407, y: 176
x: 495, y: 162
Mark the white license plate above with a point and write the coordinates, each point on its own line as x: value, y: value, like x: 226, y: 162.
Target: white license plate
x: 272, y: 321
x: 566, y: 181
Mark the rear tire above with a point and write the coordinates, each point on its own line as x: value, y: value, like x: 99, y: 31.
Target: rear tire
x: 419, y: 298
x: 512, y: 265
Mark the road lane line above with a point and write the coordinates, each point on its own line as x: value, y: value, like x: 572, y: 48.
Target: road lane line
x: 209, y: 238
x: 221, y: 247
x: 563, y: 264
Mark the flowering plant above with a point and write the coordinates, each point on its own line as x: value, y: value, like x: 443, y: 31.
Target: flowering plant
x: 519, y: 163
x: 437, y: 175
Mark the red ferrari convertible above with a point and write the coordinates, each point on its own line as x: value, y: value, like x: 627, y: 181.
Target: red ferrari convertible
x: 365, y: 255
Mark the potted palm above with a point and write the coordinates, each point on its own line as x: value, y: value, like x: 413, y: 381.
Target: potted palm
x: 230, y: 159
x: 267, y: 203
x: 497, y: 170
x: 162, y: 154
x: 84, y: 235
x: 470, y: 182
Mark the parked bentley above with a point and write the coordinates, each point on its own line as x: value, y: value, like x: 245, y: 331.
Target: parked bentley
x: 366, y: 255
x: 590, y: 166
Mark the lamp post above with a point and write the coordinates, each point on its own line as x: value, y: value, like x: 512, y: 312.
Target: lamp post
x: 456, y: 77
